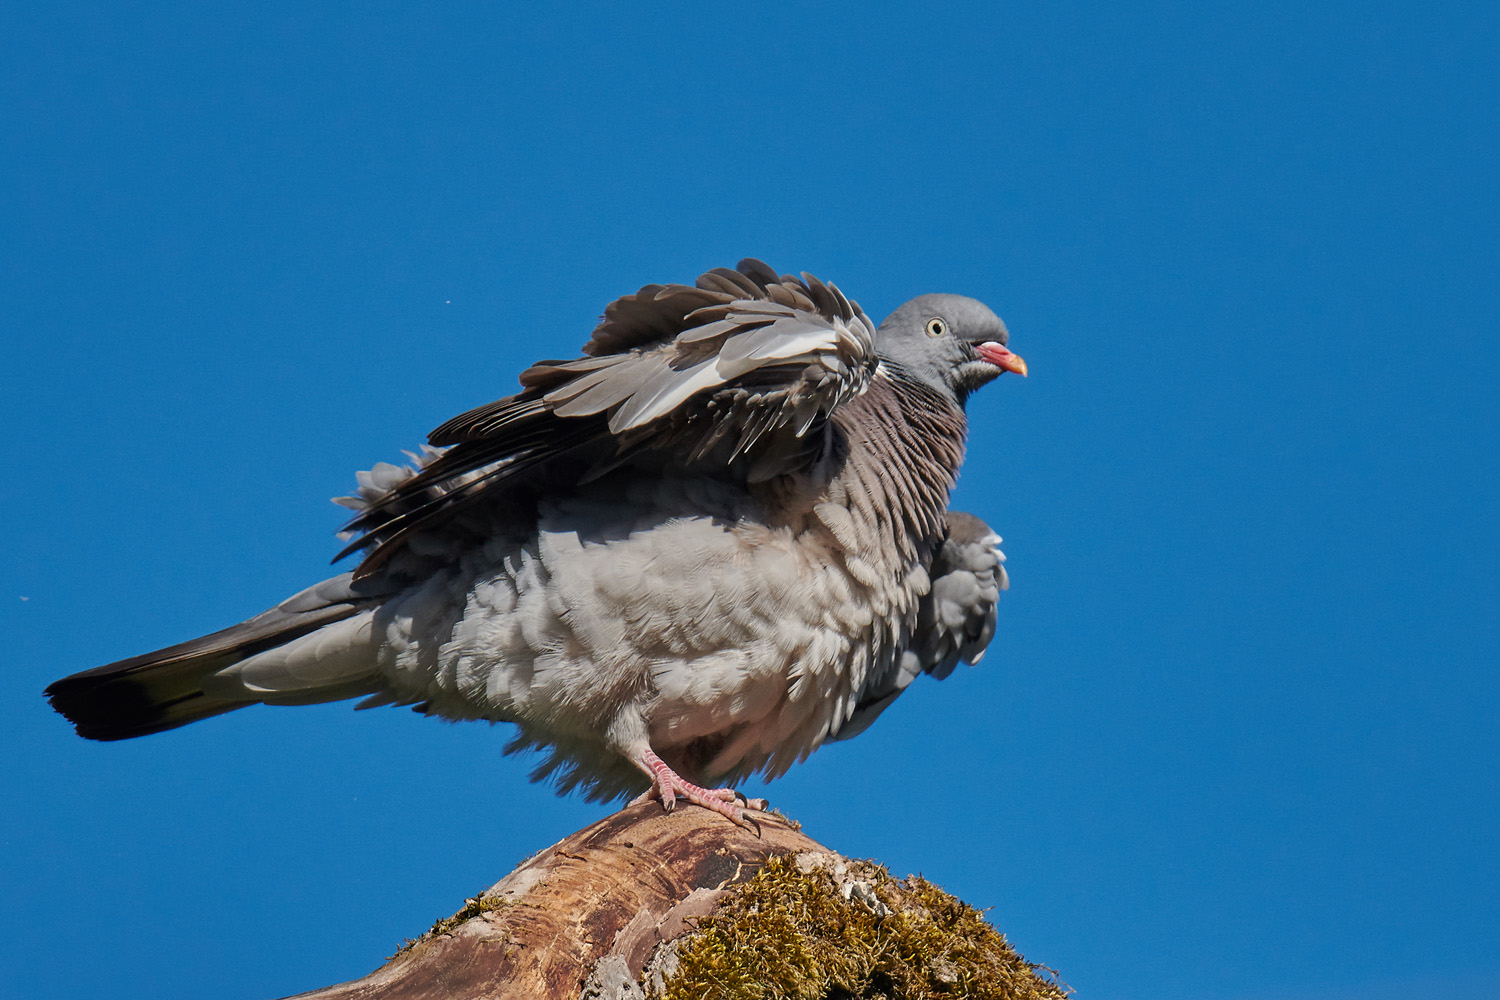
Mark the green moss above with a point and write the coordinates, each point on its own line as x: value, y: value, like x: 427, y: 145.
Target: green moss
x: 473, y: 907
x: 792, y: 935
x: 784, y: 818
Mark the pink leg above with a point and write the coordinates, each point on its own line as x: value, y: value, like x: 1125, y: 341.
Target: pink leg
x: 667, y: 784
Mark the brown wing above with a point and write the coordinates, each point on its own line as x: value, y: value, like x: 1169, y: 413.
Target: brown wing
x: 739, y: 371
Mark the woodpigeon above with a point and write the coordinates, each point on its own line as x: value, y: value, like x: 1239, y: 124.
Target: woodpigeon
x: 716, y: 540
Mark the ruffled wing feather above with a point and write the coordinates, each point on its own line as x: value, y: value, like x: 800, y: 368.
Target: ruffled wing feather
x: 740, y: 372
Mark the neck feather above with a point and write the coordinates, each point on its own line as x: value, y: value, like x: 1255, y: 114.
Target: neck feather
x: 906, y: 443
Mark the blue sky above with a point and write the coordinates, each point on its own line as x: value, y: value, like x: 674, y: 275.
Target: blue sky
x: 1237, y: 736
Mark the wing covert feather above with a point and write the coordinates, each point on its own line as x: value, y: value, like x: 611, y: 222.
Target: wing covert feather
x: 741, y: 369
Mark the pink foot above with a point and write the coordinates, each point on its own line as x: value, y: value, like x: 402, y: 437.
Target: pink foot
x: 667, y: 784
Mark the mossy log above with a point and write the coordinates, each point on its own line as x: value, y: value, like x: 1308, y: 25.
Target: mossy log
x: 651, y: 904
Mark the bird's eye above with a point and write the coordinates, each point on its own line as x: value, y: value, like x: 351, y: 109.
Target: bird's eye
x: 936, y: 327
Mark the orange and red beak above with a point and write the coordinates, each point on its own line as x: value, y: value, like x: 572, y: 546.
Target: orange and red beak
x: 997, y: 355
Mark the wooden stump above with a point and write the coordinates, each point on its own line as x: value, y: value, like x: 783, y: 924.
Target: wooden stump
x: 538, y: 932
x: 703, y: 908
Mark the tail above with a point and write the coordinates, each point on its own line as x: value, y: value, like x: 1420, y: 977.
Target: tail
x: 209, y: 676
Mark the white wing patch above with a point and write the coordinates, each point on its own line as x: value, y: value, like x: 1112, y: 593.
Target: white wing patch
x: 664, y: 394
x: 642, y: 385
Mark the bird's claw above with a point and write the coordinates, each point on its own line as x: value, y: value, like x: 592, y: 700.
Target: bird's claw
x: 730, y: 803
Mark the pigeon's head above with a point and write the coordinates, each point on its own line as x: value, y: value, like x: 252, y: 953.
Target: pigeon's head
x: 953, y: 343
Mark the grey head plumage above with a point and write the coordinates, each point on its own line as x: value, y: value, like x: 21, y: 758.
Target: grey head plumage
x: 951, y: 343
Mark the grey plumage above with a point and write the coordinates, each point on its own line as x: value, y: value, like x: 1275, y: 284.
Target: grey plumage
x: 716, y: 540
x: 955, y: 619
